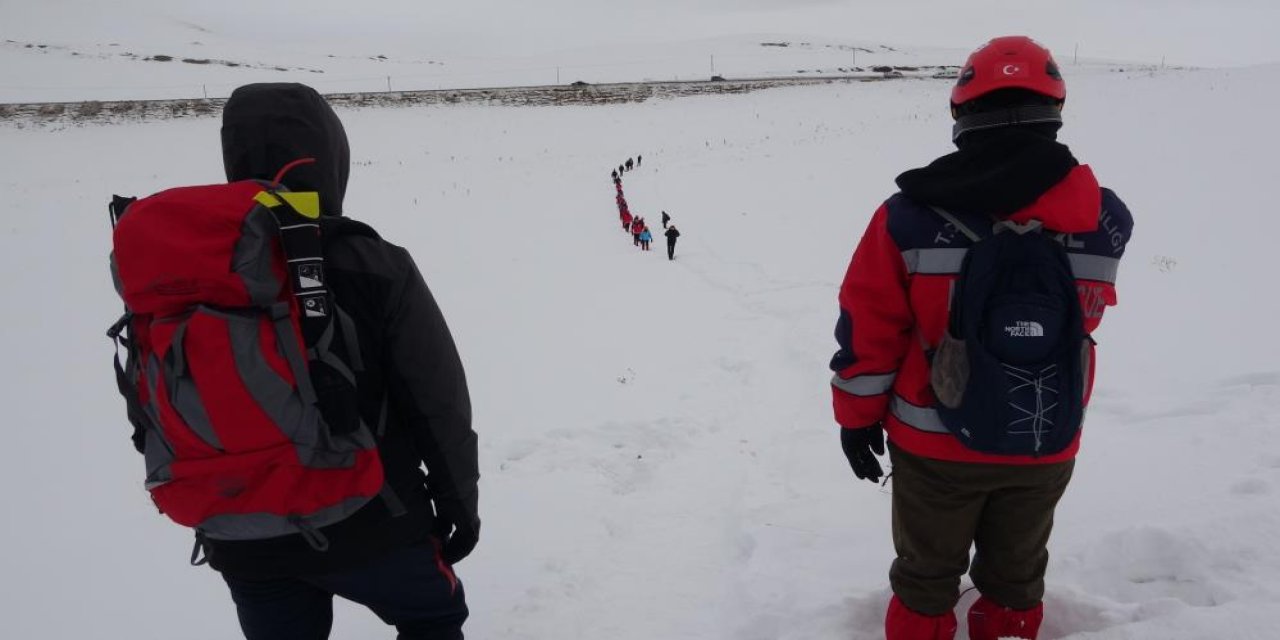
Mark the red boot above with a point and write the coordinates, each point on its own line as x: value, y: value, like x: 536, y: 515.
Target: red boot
x: 990, y: 621
x: 901, y: 623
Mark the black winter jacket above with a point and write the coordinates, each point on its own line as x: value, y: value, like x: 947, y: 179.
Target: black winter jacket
x: 415, y: 365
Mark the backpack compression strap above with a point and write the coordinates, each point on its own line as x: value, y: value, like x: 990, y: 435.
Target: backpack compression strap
x: 297, y: 215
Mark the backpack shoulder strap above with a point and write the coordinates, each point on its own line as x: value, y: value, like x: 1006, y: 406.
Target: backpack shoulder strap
x: 955, y: 222
x: 298, y: 217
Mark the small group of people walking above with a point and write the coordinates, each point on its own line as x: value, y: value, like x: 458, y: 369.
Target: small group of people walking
x: 641, y: 236
x: 631, y: 163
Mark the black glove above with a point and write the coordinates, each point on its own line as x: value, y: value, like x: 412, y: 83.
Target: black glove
x: 457, y: 529
x: 858, y: 445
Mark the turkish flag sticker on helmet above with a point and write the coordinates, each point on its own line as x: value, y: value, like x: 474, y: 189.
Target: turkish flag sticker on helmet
x: 1010, y: 62
x: 1013, y: 70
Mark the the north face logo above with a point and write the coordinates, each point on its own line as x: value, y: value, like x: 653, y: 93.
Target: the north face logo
x: 1025, y: 329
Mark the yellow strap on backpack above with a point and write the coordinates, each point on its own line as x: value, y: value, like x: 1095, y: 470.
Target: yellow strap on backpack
x: 306, y: 203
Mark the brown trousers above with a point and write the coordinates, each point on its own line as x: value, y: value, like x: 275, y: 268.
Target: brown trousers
x: 941, y: 508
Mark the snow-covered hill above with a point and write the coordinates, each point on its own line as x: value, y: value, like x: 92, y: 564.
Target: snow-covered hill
x: 76, y: 50
x: 201, y: 63
x: 658, y: 453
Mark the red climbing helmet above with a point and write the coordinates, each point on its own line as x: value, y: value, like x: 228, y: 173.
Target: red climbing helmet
x: 1006, y: 63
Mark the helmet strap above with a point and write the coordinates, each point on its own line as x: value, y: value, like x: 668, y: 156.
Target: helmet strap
x: 1028, y: 114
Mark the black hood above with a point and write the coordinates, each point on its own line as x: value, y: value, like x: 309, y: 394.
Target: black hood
x: 266, y: 126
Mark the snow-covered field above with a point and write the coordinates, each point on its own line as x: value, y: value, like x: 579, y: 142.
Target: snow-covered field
x: 658, y: 453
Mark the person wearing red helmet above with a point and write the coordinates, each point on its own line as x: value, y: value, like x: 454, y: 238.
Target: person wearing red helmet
x: 963, y: 335
x: 1010, y: 80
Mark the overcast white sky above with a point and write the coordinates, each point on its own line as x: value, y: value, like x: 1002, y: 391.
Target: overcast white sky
x: 1222, y: 32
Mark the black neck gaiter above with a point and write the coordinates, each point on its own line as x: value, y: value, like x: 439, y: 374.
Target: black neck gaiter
x: 995, y: 172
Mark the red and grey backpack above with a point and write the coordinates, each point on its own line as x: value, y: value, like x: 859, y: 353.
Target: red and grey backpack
x: 240, y: 376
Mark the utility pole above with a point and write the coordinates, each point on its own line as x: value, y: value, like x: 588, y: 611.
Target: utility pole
x: 557, y: 75
x: 713, y: 64
x: 205, y: 88
x: 1075, y: 59
x: 388, y: 83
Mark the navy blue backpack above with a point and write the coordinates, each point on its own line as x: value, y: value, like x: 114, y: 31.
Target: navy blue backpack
x: 1011, y: 371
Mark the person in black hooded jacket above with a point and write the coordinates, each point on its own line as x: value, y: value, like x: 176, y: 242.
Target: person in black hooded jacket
x: 397, y: 562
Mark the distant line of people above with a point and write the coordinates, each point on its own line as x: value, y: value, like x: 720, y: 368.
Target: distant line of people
x: 631, y: 163
x: 641, y: 236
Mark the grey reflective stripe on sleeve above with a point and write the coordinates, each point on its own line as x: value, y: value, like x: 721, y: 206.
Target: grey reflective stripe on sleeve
x: 922, y: 418
x: 255, y: 526
x: 253, y: 254
x: 1090, y: 267
x: 183, y: 393
x: 933, y: 261
x: 868, y: 385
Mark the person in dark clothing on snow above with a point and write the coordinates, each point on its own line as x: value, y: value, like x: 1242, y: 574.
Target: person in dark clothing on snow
x: 672, y: 233
x: 638, y: 159
x: 622, y: 168
x: 898, y: 358
x: 399, y: 566
x: 665, y: 219
x: 614, y: 174
x: 630, y: 164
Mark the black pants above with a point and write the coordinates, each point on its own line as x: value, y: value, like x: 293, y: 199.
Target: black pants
x: 671, y: 250
x: 410, y: 588
x: 941, y: 509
